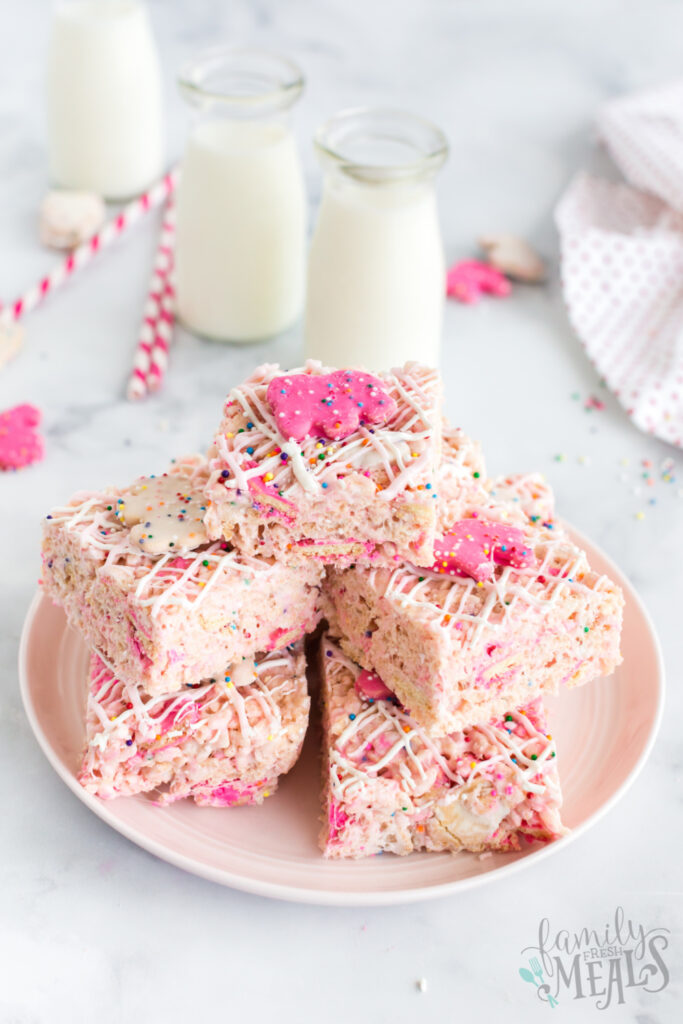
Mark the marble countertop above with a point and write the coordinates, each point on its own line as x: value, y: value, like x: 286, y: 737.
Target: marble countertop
x: 94, y: 929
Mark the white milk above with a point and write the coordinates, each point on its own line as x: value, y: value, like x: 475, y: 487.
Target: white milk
x: 376, y: 277
x: 104, y: 98
x: 241, y: 227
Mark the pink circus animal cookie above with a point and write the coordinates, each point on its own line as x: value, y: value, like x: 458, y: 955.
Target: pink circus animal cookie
x: 469, y: 279
x: 472, y: 547
x: 20, y: 442
x: 369, y: 686
x: 329, y: 405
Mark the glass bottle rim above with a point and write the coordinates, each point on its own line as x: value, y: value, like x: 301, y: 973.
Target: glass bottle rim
x: 381, y: 144
x: 240, y: 80
x: 104, y: 11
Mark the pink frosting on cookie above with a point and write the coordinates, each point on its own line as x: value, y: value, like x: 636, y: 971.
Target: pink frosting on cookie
x: 467, y: 280
x: 369, y: 686
x: 329, y: 405
x: 472, y: 547
x: 20, y: 442
x: 259, y: 487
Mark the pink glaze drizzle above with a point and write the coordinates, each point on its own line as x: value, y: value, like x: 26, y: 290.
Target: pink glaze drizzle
x: 259, y: 487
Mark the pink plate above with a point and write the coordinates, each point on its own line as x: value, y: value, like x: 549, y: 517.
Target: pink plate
x: 271, y: 850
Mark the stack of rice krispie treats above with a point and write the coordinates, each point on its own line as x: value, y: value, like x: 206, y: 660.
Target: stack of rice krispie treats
x: 197, y: 681
x: 453, y: 603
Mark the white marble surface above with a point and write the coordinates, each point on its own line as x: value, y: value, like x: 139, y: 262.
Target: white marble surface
x: 92, y: 928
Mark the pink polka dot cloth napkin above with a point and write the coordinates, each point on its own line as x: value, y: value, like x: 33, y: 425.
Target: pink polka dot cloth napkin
x: 622, y: 260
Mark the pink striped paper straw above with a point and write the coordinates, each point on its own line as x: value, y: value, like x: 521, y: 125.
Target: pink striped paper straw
x: 162, y: 339
x: 83, y: 254
x: 157, y: 320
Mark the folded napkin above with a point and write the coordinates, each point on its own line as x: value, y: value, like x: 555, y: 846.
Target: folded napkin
x: 622, y: 260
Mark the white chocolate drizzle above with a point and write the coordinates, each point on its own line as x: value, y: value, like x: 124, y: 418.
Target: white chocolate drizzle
x: 403, y: 450
x: 159, y: 580
x: 513, y: 753
x: 453, y: 600
x: 249, y: 692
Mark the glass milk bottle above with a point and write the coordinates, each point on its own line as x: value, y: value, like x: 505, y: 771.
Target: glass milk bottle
x: 104, y: 108
x: 376, y: 276
x: 241, y: 208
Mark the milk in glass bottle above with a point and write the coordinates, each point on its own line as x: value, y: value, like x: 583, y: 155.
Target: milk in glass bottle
x: 376, y: 276
x: 241, y: 210
x: 104, y: 108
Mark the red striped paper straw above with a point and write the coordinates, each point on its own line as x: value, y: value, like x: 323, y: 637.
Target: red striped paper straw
x: 149, y: 360
x: 83, y: 254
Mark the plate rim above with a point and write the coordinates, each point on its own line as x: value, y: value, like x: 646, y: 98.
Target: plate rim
x: 348, y: 897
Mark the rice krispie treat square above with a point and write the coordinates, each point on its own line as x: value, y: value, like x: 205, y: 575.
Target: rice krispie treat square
x: 528, y: 493
x: 137, y: 574
x: 222, y: 741
x: 389, y: 787
x: 334, y: 466
x: 509, y: 609
x: 464, y: 486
